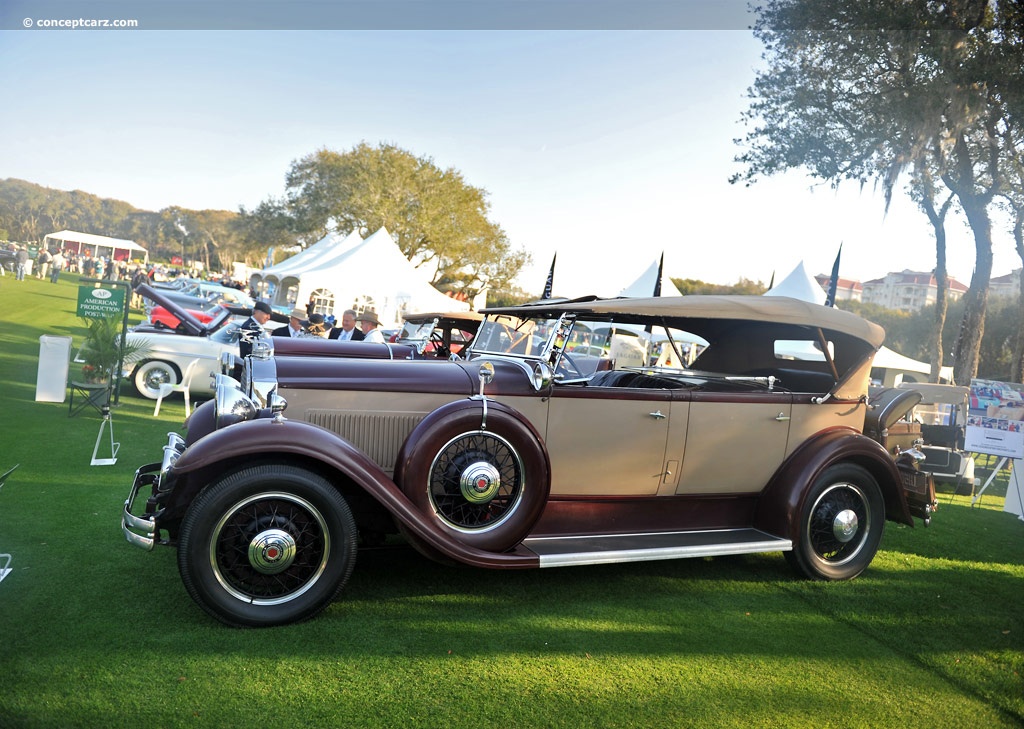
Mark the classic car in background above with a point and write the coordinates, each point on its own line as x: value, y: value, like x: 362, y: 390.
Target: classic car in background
x: 212, y: 337
x: 942, y: 416
x: 160, y: 316
x: 527, y: 455
x: 439, y: 334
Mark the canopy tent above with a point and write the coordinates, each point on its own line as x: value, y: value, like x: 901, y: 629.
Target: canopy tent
x: 644, y: 285
x: 117, y: 249
x: 799, y: 285
x: 279, y: 283
x: 360, y: 274
x: 317, y: 254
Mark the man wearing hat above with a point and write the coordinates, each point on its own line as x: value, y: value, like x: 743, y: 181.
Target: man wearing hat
x: 253, y: 326
x: 294, y: 326
x: 369, y: 322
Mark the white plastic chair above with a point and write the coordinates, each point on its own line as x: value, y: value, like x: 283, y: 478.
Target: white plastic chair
x: 186, y: 382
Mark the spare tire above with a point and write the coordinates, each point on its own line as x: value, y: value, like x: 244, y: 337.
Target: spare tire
x: 483, y: 480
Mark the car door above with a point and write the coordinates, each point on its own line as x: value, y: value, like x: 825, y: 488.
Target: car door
x: 607, y: 441
x: 734, y: 441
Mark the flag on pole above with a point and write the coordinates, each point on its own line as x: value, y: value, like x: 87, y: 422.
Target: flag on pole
x: 833, y: 282
x: 551, y: 279
x: 657, y: 281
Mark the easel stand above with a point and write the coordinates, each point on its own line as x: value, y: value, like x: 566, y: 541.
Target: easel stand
x: 992, y: 477
x: 5, y: 559
x: 105, y: 412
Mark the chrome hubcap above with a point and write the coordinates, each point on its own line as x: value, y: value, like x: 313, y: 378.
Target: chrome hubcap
x: 272, y: 551
x: 844, y: 525
x: 479, y: 482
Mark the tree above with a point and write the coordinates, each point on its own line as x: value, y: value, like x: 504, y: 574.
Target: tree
x: 865, y: 91
x: 439, y: 221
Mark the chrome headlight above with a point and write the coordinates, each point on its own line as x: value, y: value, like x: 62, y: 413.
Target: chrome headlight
x: 541, y: 375
x: 232, y: 405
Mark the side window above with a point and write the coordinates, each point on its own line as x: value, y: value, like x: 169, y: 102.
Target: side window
x: 806, y: 350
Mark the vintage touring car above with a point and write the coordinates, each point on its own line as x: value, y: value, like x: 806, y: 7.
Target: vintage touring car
x: 526, y: 454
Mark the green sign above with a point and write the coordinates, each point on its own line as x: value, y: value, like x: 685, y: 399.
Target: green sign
x: 99, y: 303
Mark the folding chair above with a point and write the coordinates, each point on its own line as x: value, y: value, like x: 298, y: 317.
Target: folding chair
x: 90, y: 394
x: 186, y: 382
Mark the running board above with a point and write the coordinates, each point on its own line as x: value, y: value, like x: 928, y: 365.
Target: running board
x: 608, y: 549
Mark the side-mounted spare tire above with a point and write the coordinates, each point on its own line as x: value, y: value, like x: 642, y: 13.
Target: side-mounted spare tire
x: 482, y: 479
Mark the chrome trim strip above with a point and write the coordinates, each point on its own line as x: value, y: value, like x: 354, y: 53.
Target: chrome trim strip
x: 614, y: 548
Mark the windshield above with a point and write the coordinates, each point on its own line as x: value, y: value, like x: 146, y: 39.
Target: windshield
x: 504, y: 334
x: 416, y: 332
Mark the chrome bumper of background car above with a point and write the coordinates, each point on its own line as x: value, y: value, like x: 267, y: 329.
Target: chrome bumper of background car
x: 140, y: 530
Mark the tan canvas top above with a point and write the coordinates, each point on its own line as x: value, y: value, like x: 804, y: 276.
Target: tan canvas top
x: 749, y: 308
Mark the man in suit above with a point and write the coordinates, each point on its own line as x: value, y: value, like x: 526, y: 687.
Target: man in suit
x: 253, y: 326
x: 294, y: 326
x: 347, y: 330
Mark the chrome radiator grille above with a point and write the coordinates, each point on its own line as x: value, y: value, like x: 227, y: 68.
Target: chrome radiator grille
x: 378, y: 435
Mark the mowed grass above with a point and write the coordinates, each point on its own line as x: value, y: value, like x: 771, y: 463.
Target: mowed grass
x: 96, y: 633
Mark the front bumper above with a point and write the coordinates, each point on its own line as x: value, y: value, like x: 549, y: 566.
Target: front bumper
x: 142, y: 530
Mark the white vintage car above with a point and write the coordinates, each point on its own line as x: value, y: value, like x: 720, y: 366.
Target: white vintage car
x: 168, y: 352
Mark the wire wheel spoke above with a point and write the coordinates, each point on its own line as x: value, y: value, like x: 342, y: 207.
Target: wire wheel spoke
x: 476, y: 481
x: 289, y: 523
x: 838, y: 523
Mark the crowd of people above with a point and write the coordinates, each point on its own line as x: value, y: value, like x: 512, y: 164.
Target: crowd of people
x: 302, y: 324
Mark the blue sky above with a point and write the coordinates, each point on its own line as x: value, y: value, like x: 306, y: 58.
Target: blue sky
x: 605, y: 146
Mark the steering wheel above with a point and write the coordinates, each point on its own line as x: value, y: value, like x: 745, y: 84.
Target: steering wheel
x: 571, y: 369
x: 440, y: 349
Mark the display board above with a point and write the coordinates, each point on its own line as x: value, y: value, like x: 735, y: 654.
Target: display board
x: 995, y: 419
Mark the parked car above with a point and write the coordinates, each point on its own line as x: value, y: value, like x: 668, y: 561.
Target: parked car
x: 170, y: 350
x: 160, y: 316
x: 439, y: 334
x: 195, y: 297
x: 941, y: 417
x: 525, y: 455
x: 9, y: 259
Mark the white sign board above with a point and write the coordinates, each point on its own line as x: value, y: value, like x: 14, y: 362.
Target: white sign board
x: 995, y: 419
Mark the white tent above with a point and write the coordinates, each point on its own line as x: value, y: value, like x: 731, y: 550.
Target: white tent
x: 279, y: 283
x: 799, y: 285
x: 118, y: 249
x: 362, y: 274
x: 644, y: 285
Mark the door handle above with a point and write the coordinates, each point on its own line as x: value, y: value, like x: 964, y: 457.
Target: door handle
x: 657, y: 415
x: 782, y: 417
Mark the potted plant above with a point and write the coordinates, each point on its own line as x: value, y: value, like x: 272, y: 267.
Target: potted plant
x: 102, y: 349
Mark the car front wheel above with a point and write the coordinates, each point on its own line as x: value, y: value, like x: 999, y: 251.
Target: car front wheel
x: 841, y: 524
x: 149, y: 375
x: 268, y: 545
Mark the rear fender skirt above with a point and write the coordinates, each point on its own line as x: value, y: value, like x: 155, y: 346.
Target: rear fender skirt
x: 265, y: 439
x: 780, y: 502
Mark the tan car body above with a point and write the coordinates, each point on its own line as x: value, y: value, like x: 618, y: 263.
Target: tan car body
x: 557, y: 460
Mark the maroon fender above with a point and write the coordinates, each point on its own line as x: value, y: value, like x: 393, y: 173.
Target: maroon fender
x: 782, y: 499
x: 478, y: 470
x: 266, y: 439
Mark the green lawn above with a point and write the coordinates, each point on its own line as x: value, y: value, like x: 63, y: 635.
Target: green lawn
x: 96, y: 633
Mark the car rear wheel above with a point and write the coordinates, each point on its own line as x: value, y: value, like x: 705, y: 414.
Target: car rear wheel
x: 149, y: 375
x: 483, y: 480
x: 841, y: 524
x: 269, y: 545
